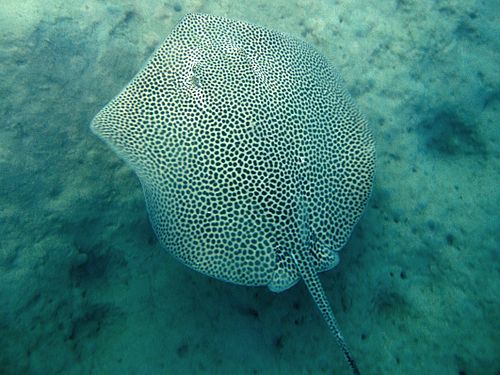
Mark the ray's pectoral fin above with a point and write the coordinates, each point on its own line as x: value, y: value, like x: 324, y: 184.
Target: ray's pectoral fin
x: 304, y: 263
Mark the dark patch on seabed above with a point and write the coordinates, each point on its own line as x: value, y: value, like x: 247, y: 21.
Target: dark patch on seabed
x: 448, y: 135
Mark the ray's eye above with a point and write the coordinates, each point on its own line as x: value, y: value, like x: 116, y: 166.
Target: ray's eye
x: 196, y: 80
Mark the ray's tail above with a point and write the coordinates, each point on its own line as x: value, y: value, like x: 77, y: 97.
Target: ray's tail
x: 313, y: 283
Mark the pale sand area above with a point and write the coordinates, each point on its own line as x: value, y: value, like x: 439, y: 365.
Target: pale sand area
x: 86, y: 289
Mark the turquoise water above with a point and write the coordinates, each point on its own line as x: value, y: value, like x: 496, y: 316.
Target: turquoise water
x: 85, y: 288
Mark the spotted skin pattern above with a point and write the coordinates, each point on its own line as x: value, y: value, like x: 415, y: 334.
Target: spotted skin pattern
x: 254, y: 160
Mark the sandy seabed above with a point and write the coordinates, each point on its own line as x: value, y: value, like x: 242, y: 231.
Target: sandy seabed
x: 85, y: 288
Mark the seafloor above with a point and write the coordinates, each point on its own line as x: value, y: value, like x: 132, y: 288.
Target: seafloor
x: 86, y: 289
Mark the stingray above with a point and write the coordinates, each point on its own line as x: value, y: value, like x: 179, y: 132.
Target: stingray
x: 254, y: 160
